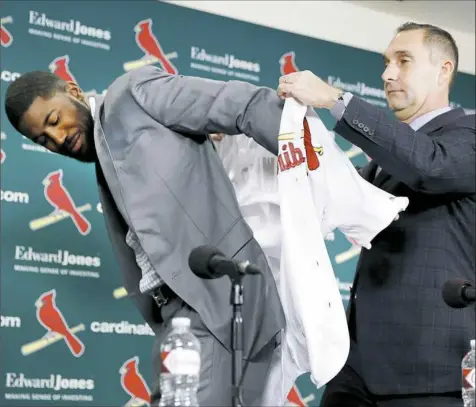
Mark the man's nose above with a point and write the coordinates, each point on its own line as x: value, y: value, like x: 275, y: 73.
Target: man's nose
x: 390, y: 74
x: 57, y: 136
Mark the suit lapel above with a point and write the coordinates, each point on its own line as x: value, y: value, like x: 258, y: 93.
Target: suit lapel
x: 108, y: 174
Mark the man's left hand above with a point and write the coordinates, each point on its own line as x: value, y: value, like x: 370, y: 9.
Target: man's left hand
x: 308, y: 89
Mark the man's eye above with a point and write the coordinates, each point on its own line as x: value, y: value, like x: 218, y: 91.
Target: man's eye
x: 54, y: 121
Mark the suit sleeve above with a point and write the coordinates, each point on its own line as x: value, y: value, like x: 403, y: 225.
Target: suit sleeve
x: 200, y: 106
x: 445, y: 164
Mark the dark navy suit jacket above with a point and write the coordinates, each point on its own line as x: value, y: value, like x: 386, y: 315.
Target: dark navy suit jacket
x: 407, y: 340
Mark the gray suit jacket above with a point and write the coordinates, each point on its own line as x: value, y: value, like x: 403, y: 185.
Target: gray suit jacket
x: 160, y: 176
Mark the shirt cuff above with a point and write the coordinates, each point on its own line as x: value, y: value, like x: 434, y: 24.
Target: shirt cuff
x: 338, y: 109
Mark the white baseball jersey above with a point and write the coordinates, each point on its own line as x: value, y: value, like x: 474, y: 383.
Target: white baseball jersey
x: 319, y: 191
x: 252, y: 171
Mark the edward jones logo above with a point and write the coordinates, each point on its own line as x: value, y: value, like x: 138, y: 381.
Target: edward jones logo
x: 19, y: 385
x: 74, y: 27
x: 226, y: 64
x: 370, y: 94
x: 133, y: 383
x: 64, y: 206
x: 61, y: 257
x: 57, y: 329
x: 44, y: 263
x: 72, y: 31
x: 152, y: 49
x: 53, y: 382
x: 6, y: 37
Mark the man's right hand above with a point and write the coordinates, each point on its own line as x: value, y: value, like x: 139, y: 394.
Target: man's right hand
x: 217, y: 136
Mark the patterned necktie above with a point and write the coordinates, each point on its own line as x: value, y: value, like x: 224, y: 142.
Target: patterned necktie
x: 312, y: 159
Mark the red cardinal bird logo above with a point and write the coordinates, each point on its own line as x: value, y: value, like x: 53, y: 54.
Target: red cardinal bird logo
x: 53, y: 321
x: 60, y: 66
x: 58, y: 196
x: 311, y: 151
x: 288, y: 63
x: 295, y: 398
x: 2, y: 156
x: 148, y: 43
x: 133, y: 383
x: 6, y: 38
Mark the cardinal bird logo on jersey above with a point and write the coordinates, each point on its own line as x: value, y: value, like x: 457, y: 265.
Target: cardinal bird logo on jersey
x: 58, y: 196
x: 2, y: 156
x: 51, y: 318
x: 291, y: 156
x: 288, y: 63
x: 133, y: 383
x: 148, y: 43
x: 60, y: 66
x: 6, y: 36
x: 311, y: 151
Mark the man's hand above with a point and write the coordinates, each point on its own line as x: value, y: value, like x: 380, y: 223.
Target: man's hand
x: 217, y: 136
x: 308, y: 89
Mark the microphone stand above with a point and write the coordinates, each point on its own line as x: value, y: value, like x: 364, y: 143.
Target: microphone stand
x: 237, y: 344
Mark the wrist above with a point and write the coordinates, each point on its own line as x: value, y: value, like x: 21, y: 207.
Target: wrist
x: 335, y: 95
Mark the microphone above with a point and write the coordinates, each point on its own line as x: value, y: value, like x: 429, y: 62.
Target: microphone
x: 208, y: 262
x: 458, y: 293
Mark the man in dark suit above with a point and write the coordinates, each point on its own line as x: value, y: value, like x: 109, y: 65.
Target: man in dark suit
x: 407, y: 344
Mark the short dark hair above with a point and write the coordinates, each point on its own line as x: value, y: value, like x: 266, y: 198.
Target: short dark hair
x: 436, y: 37
x: 23, y: 91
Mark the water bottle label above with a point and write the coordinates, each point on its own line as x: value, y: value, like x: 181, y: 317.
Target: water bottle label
x: 468, y: 378
x: 181, y: 361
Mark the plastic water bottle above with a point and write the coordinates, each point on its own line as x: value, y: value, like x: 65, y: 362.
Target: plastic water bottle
x: 180, y: 356
x: 467, y: 366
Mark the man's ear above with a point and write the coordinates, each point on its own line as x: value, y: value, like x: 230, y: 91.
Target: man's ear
x: 74, y: 90
x: 446, y: 72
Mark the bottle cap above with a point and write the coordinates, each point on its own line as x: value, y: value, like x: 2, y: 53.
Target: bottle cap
x: 180, y: 322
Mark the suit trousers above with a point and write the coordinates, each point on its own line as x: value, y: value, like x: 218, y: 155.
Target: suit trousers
x: 348, y: 389
x: 216, y: 362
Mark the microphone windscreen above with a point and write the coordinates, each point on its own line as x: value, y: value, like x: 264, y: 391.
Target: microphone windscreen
x: 453, y: 293
x: 199, y: 260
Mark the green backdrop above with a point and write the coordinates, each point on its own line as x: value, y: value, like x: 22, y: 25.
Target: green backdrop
x: 47, y: 261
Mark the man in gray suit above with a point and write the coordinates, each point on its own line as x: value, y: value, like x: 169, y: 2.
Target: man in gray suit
x: 164, y: 192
